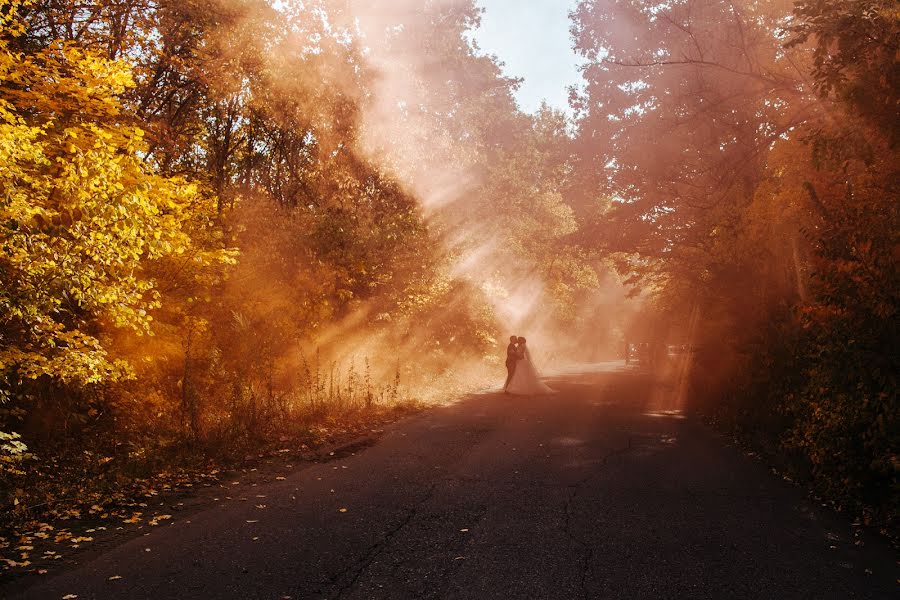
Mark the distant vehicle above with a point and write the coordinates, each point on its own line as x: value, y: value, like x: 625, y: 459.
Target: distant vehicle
x: 650, y: 353
x: 680, y: 349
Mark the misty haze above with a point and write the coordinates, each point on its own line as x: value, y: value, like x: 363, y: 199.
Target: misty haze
x: 479, y: 299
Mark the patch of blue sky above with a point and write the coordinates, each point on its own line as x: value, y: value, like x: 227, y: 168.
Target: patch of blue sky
x: 532, y: 40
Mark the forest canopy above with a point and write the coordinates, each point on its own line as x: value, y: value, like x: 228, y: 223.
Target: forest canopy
x: 226, y: 221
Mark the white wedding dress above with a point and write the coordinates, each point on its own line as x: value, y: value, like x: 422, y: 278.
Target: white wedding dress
x: 525, y: 380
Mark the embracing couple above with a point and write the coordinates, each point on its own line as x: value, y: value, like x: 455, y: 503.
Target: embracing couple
x: 522, y: 378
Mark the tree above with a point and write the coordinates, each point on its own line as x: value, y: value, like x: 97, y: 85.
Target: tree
x: 854, y: 55
x: 82, y: 214
x: 748, y: 153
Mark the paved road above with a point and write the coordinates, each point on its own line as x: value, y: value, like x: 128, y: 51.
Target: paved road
x: 601, y: 491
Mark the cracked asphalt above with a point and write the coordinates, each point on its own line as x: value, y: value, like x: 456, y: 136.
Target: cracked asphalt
x: 604, y: 490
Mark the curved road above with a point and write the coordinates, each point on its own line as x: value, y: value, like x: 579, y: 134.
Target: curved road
x: 601, y: 491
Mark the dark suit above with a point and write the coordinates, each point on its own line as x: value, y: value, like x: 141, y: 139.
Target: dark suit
x: 512, y: 355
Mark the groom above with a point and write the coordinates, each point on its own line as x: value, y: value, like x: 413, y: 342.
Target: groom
x: 512, y: 356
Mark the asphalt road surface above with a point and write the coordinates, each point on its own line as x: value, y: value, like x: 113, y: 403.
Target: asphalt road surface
x: 604, y: 490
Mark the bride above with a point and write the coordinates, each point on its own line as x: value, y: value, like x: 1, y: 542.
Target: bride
x: 525, y: 380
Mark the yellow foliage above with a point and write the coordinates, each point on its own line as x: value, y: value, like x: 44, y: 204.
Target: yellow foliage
x: 81, y: 213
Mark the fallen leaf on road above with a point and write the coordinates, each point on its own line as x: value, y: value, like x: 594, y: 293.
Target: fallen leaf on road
x: 70, y: 597
x: 343, y: 510
x: 253, y: 520
x: 279, y: 478
x: 114, y: 578
x: 11, y: 563
x: 464, y: 530
x: 260, y: 506
x: 62, y: 536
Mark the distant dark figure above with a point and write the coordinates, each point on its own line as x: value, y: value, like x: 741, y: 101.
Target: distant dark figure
x: 660, y: 354
x: 642, y: 354
x: 512, y: 357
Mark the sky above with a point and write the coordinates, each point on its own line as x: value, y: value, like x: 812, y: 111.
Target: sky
x: 532, y: 38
